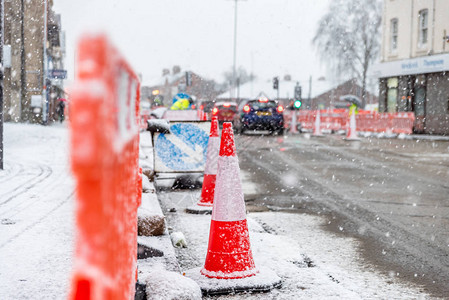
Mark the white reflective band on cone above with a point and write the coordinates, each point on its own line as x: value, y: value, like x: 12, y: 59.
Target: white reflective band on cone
x: 213, y: 149
x: 229, y: 204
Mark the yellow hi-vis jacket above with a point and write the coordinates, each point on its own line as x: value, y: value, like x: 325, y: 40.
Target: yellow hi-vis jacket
x: 180, y: 104
x: 353, y: 109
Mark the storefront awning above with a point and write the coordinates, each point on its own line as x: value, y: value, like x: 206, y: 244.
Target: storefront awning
x: 418, y: 65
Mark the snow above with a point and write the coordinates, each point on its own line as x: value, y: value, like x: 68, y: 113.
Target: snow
x: 163, y: 285
x: 37, y: 199
x: 37, y: 236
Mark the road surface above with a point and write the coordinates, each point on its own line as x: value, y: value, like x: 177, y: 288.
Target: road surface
x: 391, y: 194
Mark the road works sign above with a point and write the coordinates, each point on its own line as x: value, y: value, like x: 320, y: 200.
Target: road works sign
x: 183, y: 149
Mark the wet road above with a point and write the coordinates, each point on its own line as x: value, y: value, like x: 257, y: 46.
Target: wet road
x: 391, y: 194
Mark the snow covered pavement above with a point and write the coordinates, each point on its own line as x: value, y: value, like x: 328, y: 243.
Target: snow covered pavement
x: 36, y: 213
x: 313, y: 263
x: 37, y: 233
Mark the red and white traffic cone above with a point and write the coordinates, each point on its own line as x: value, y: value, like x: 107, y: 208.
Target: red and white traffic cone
x: 317, y: 127
x: 205, y: 203
x: 293, y: 126
x: 229, y: 265
x: 229, y: 252
x: 351, y: 134
x: 210, y: 170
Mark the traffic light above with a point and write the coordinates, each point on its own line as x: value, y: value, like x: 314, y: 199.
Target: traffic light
x: 297, y: 91
x: 275, y: 83
x: 297, y: 104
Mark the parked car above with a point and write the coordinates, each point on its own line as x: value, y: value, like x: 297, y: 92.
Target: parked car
x: 259, y: 114
x: 224, y: 111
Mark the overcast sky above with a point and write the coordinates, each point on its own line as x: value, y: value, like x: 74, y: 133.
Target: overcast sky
x: 273, y: 36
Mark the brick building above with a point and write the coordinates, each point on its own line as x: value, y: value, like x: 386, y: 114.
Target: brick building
x: 331, y: 98
x: 24, y: 68
x: 171, y: 84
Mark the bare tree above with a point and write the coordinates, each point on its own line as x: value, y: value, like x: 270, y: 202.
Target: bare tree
x: 241, y: 74
x: 348, y: 38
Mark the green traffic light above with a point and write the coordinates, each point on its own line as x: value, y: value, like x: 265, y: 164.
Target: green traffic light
x: 297, y: 104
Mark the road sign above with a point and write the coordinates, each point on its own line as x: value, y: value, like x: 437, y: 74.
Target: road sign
x: 57, y: 74
x: 183, y: 149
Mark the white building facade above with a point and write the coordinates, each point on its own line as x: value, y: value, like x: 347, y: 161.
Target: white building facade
x: 414, y: 69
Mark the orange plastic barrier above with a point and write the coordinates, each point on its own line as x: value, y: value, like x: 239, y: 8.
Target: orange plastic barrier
x: 104, y: 155
x: 367, y: 121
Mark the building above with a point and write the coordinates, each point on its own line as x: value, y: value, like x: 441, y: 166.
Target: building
x: 33, y: 79
x: 414, y: 69
x: 330, y: 99
x: 170, y: 84
x: 314, y: 93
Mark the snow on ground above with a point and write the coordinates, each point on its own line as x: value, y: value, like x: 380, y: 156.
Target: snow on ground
x: 37, y: 232
x: 313, y: 263
x: 36, y: 213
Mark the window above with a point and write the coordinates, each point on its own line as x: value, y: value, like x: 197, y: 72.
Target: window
x: 393, y: 34
x: 392, y: 94
x: 423, y: 18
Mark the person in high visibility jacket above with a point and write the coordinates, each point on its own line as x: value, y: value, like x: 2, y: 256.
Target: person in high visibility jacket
x: 353, y: 109
x: 182, y: 104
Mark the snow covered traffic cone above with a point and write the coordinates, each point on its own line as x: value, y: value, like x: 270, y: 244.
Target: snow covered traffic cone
x: 205, y: 203
x: 229, y: 252
x: 229, y: 265
x: 317, y: 127
x: 210, y: 170
x: 352, y: 131
x: 293, y: 126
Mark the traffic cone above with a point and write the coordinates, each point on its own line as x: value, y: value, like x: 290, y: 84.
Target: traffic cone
x: 229, y: 265
x: 317, y: 129
x: 351, y: 134
x: 210, y: 170
x: 203, y: 116
x: 229, y: 253
x: 293, y: 127
x: 205, y: 203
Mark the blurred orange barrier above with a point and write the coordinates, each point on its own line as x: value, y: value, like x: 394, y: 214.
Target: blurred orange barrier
x: 367, y: 121
x: 104, y: 156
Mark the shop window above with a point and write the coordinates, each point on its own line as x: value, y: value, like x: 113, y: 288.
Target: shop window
x: 392, y: 94
x: 423, y: 21
x: 393, y: 35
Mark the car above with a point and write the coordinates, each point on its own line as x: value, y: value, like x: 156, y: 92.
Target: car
x: 260, y: 114
x: 224, y: 111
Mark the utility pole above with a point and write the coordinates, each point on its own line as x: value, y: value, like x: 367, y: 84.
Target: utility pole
x: 234, y: 72
x: 310, y: 92
x: 1, y: 82
x: 44, y: 69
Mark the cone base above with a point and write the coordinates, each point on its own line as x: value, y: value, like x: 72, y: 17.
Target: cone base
x: 352, y: 138
x: 263, y: 281
x: 199, y: 210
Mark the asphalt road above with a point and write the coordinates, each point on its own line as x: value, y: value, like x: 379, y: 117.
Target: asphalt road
x: 391, y: 194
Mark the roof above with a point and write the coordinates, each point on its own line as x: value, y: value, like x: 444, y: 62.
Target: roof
x: 255, y: 88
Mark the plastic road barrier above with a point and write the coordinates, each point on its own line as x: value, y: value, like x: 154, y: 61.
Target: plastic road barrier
x: 184, y: 149
x: 367, y: 121
x: 104, y: 156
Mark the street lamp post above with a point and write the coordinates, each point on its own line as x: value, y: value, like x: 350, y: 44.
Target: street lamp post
x: 233, y: 84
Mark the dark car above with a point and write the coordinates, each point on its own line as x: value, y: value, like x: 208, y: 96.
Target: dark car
x: 224, y: 111
x: 260, y: 114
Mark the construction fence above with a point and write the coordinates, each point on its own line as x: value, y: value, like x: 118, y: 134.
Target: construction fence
x: 367, y: 121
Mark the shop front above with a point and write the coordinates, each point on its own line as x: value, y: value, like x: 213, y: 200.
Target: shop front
x: 419, y: 85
